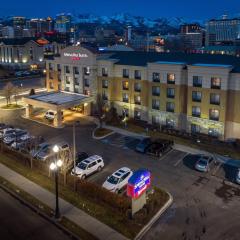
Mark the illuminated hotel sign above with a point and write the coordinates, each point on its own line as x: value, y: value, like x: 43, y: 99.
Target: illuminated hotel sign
x: 138, y: 183
x: 75, y: 56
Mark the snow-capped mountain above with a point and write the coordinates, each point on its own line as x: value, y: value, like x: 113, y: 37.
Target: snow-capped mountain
x: 127, y: 19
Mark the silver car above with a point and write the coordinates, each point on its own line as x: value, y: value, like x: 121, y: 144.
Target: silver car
x: 203, y: 163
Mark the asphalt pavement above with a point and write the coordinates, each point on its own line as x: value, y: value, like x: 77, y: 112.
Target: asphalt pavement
x: 19, y: 222
x: 206, y: 205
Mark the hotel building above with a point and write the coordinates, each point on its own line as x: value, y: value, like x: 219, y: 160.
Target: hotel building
x: 193, y: 92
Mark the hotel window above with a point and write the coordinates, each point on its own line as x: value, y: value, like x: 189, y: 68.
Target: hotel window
x: 125, y: 97
x: 59, y: 77
x: 197, y: 81
x: 196, y: 111
x: 125, y: 112
x: 50, y: 66
x: 86, y: 82
x: 67, y: 78
x: 170, y: 93
x: 156, y: 77
x: 170, y: 123
x: 195, y: 128
x: 104, y: 72
x: 196, y: 96
x: 86, y: 71
x: 215, y: 82
x: 76, y: 81
x: 75, y: 70
x: 137, y: 74
x: 105, y: 95
x: 137, y: 115
x: 155, y: 120
x: 213, y: 132
x: 67, y: 69
x: 170, y: 107
x: 51, y: 85
x: 214, y: 114
x: 137, y: 99
x: 59, y: 67
x: 137, y: 87
x: 104, y: 83
x: 126, y: 73
x: 155, y: 104
x: 155, y: 91
x: 214, y: 99
x: 50, y: 75
x: 171, y: 78
x: 125, y: 85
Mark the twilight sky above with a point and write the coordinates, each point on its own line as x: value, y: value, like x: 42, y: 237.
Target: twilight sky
x: 191, y: 9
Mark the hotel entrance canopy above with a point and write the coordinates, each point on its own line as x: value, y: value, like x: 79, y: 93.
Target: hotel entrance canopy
x: 57, y: 100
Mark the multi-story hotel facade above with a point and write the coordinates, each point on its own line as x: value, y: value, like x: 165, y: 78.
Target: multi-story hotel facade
x: 193, y: 92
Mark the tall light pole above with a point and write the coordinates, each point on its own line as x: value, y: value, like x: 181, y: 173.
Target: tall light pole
x: 74, y: 152
x: 54, y: 166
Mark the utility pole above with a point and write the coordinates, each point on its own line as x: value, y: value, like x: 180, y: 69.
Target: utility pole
x: 74, y: 153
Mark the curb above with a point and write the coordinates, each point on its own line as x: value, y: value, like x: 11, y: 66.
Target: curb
x: 40, y: 213
x: 99, y: 138
x: 155, y: 218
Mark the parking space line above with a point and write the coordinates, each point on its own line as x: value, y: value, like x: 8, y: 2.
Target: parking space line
x: 215, y: 170
x: 165, y: 156
x: 180, y: 160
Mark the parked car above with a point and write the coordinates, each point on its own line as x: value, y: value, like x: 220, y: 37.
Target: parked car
x: 39, y: 148
x: 48, y: 152
x: 118, y: 180
x: 5, y: 132
x: 88, y: 166
x: 50, y: 115
x: 238, y: 176
x: 19, y: 144
x: 17, y: 134
x: 143, y: 145
x: 159, y: 148
x: 203, y: 163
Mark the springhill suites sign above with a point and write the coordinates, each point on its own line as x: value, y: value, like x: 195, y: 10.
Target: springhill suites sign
x: 75, y: 56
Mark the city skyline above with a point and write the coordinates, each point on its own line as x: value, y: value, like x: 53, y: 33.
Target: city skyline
x: 186, y: 8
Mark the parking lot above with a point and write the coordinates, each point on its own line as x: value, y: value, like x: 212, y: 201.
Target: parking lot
x: 202, y: 201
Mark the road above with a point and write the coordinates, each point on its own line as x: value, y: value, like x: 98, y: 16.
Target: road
x: 19, y: 222
x: 27, y: 83
x: 205, y: 207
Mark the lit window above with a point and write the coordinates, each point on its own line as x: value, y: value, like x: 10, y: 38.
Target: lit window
x: 125, y: 85
x: 214, y: 114
x: 196, y: 111
x: 215, y: 82
x: 171, y: 78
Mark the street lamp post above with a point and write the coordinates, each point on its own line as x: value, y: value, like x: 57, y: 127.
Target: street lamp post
x: 54, y: 166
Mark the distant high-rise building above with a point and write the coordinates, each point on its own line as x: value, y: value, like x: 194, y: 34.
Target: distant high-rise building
x: 41, y: 25
x: 222, y: 31
x: 19, y: 22
x: 63, y: 23
x: 192, y: 36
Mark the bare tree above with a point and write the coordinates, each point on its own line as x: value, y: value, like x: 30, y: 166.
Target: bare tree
x: 15, y: 94
x: 8, y: 91
x: 67, y: 162
x: 100, y: 104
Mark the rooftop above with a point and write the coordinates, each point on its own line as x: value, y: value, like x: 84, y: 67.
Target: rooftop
x: 143, y: 58
x: 58, y: 98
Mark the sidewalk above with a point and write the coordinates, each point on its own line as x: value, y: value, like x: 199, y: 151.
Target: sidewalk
x: 88, y: 223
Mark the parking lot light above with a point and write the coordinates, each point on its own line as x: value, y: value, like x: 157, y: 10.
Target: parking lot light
x: 52, y: 166
x: 59, y: 163
x: 56, y: 148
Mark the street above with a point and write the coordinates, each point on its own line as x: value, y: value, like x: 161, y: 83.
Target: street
x: 19, y: 222
x: 205, y: 206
